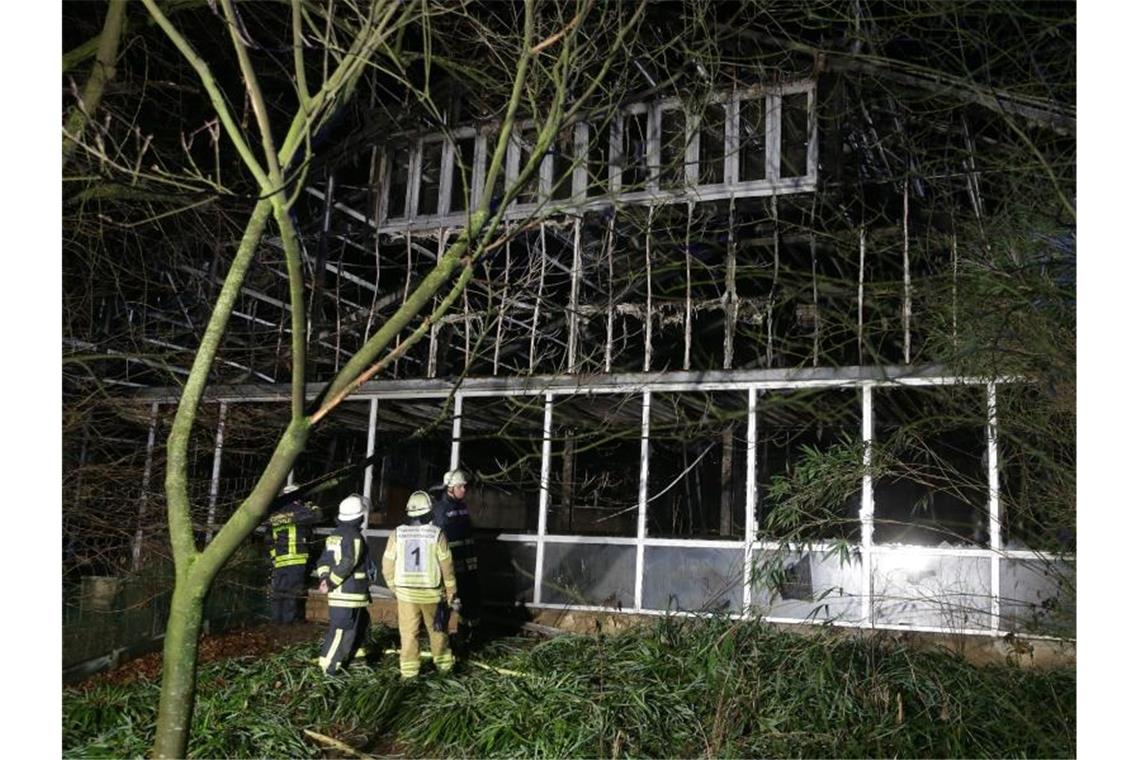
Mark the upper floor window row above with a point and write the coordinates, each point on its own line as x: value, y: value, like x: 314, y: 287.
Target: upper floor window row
x: 751, y: 142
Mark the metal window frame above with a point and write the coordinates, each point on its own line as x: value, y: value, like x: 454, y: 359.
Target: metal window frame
x: 652, y: 194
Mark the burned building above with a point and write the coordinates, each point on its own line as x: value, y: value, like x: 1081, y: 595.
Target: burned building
x: 777, y: 325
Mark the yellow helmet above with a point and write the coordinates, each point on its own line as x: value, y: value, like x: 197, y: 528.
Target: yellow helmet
x: 419, y: 503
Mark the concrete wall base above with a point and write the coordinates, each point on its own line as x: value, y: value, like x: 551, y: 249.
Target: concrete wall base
x: 1046, y: 654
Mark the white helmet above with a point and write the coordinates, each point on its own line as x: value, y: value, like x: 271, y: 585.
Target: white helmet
x: 352, y: 508
x: 419, y: 503
x: 454, y: 478
x: 289, y: 489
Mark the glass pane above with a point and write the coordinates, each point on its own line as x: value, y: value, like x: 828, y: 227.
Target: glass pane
x: 598, y: 161
x: 635, y: 152
x: 562, y: 176
x: 807, y: 585
x: 752, y: 139
x: 461, y: 178
x: 529, y: 191
x: 793, y: 135
x: 912, y: 588
x: 398, y: 182
x: 712, y: 145
x: 430, y: 165
x: 1038, y: 597
x: 589, y: 574
x: 672, y: 149
x: 693, y: 579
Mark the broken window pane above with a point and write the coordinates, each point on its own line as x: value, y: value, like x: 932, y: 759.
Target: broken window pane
x: 712, y: 145
x: 431, y: 162
x: 501, y: 451
x: 931, y: 485
x: 753, y: 126
x: 794, y: 135
x: 673, y: 143
x: 598, y: 160
x: 635, y: 152
x: 595, y: 465
x: 461, y: 177
x: 562, y: 175
x: 528, y: 193
x: 697, y: 464
x: 398, y: 181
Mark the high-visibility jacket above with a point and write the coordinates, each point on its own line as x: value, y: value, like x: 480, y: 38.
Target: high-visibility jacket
x: 417, y: 564
x: 290, y: 533
x: 347, y: 566
x: 454, y: 519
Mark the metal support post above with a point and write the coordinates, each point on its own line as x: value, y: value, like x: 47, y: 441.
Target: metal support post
x: 369, y: 451
x: 642, y: 501
x: 749, y: 502
x: 136, y: 547
x: 217, y: 471
x: 543, y: 496
x: 867, y: 505
x: 456, y: 430
x: 994, y: 506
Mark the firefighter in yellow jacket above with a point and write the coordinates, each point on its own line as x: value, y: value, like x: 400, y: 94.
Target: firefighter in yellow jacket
x: 417, y: 568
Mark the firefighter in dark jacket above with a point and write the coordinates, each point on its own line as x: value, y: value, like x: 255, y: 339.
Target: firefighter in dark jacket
x: 346, y: 571
x: 417, y: 568
x: 290, y: 536
x: 451, y: 515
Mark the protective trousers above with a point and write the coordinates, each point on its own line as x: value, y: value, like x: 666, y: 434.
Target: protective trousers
x: 411, y: 616
x: 287, y: 594
x: 345, y: 638
x: 470, y: 598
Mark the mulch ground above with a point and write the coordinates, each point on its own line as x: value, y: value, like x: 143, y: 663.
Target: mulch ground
x: 241, y: 642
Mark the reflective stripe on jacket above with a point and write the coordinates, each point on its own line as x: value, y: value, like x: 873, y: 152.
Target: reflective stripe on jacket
x: 344, y: 564
x: 285, y: 550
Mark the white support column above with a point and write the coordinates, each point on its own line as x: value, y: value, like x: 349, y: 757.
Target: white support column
x: 610, y: 294
x: 543, y: 496
x: 136, y: 547
x: 862, y: 261
x: 572, y: 316
x: 906, y: 273
x: 648, y: 295
x: 749, y: 503
x: 994, y: 505
x: 217, y: 471
x: 642, y: 501
x: 867, y: 506
x: 581, y: 175
x: 688, y: 290
x: 538, y: 295
x: 369, y: 452
x: 456, y: 430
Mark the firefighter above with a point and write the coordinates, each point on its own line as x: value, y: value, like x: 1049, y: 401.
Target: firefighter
x: 450, y: 514
x: 346, y: 571
x: 290, y: 536
x: 417, y: 567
